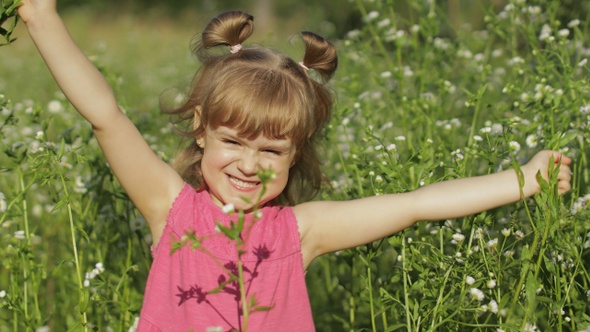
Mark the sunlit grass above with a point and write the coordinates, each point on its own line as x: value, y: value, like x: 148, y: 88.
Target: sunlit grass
x: 418, y: 102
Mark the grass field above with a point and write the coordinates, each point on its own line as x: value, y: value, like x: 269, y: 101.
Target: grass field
x: 418, y: 102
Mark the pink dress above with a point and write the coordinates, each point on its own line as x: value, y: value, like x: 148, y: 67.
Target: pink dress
x: 189, y: 289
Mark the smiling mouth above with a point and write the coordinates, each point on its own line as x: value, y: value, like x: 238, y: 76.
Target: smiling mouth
x: 243, y: 184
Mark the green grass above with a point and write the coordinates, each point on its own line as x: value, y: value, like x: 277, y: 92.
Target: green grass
x: 415, y: 107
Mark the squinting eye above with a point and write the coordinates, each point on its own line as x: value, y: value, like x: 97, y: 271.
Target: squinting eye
x: 229, y: 141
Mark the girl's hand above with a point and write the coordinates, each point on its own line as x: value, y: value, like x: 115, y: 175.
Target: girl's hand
x: 544, y: 162
x: 31, y: 10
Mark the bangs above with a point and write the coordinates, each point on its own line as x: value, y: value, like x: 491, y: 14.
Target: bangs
x: 261, y: 102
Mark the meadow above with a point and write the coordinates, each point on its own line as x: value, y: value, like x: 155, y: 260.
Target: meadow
x: 419, y: 100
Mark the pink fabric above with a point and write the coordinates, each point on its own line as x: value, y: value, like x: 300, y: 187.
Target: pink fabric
x: 179, y: 293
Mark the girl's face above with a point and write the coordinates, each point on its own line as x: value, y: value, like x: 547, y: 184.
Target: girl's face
x: 231, y: 162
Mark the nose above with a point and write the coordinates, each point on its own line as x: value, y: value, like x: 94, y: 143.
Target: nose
x: 249, y: 163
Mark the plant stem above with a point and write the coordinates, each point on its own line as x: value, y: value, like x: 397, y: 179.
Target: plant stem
x: 74, y: 245
x: 245, y: 304
x: 406, y: 297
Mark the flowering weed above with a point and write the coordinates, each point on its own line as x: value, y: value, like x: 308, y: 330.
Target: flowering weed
x: 420, y: 100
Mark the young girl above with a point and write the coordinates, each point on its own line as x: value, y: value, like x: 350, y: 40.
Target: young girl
x: 251, y: 109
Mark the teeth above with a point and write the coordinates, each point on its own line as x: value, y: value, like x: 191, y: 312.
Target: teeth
x: 243, y: 184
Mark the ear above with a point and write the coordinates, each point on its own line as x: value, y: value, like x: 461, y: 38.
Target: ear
x: 196, y: 123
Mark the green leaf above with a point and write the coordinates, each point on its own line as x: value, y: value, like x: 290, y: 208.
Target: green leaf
x: 84, y: 300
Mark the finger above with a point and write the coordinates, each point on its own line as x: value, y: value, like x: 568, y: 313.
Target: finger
x: 563, y: 187
x: 562, y: 158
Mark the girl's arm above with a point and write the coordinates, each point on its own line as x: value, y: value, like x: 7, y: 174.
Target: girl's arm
x: 150, y: 183
x: 331, y: 226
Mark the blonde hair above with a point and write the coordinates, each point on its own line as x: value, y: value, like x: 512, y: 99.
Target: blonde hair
x: 259, y: 91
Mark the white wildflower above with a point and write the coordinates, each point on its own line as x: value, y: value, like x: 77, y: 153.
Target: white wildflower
x: 491, y: 283
x: 408, y: 71
x: 441, y: 44
x: 400, y: 138
x: 532, y: 141
x: 345, y: 121
x: 582, y: 62
x: 372, y: 15
x: 2, y: 294
x: 39, y: 135
x: 386, y: 74
x: 378, y: 179
x: 383, y: 23
x: 228, y: 208
x: 492, y: 243
x: 563, y: 33
x: 514, y: 146
x: 516, y: 60
x: 214, y: 329
x: 573, y: 23
x: 469, y: 280
x: 506, y: 232
x: 530, y: 328
x: 353, y: 34
x: 476, y: 294
x: 54, y: 107
x: 3, y: 204
x: 493, y: 305
x: 19, y: 235
x: 137, y: 223
x: 133, y: 328
x: 545, y: 33
x: 580, y: 204
x: 391, y: 147
x: 80, y: 185
x: 458, y: 237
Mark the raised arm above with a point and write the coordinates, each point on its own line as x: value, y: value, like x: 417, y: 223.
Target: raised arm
x: 150, y: 183
x: 330, y: 226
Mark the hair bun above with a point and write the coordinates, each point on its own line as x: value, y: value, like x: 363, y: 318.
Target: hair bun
x: 230, y: 28
x: 320, y: 55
